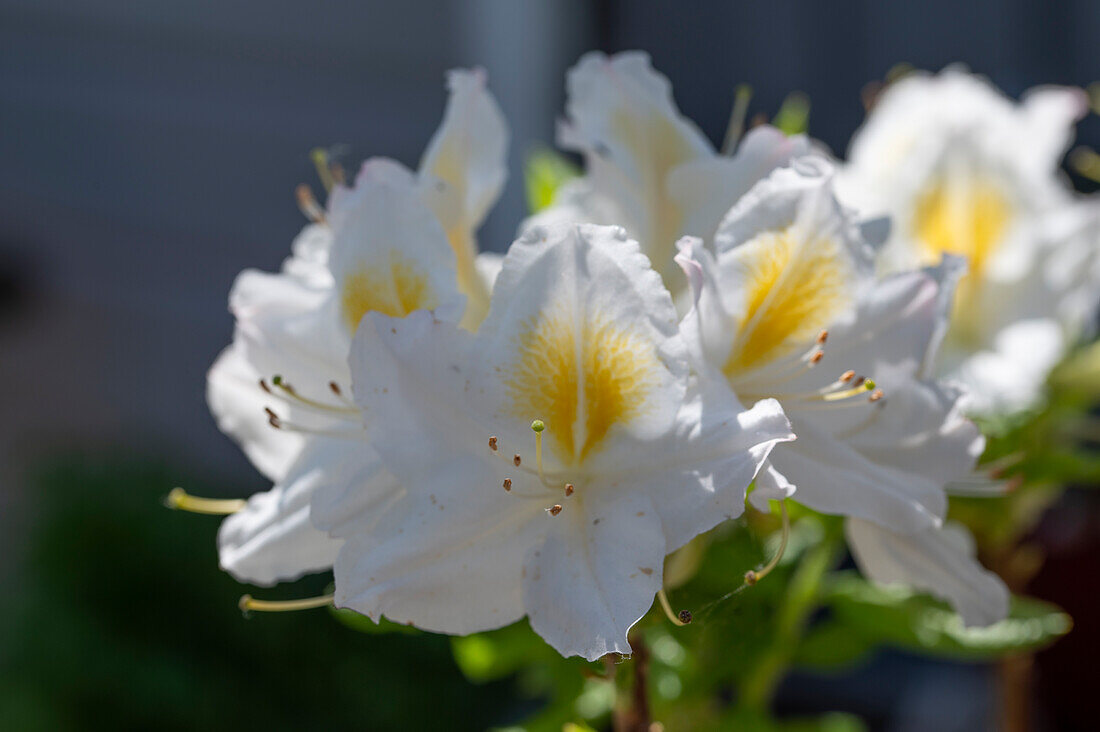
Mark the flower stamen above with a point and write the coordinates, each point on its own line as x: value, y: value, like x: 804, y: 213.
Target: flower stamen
x: 180, y: 500
x: 679, y: 619
x: 249, y: 604
x: 752, y: 576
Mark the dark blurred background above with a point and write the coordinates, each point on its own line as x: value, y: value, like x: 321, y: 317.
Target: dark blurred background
x: 149, y: 152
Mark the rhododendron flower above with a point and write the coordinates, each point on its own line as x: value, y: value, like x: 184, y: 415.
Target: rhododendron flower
x: 788, y: 306
x: 649, y: 169
x: 963, y: 170
x: 394, y: 242
x: 549, y: 462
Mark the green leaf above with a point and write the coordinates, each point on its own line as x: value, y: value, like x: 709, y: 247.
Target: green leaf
x: 831, y: 646
x: 902, y: 618
x: 546, y: 171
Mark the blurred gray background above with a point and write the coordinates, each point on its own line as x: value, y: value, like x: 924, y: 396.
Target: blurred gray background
x: 149, y: 151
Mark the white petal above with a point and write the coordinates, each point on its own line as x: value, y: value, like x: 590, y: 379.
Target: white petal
x: 707, y: 187
x: 771, y: 485
x: 237, y: 402
x: 272, y: 539
x: 442, y: 561
x: 283, y: 328
x: 697, y: 476
x: 833, y: 477
x: 939, y: 561
x: 582, y: 304
x: 595, y: 575
x: 469, y: 150
x: 446, y: 555
x: 389, y: 252
x: 622, y: 117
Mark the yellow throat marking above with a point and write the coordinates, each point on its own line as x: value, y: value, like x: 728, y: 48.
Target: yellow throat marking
x: 793, y: 289
x: 580, y: 379
x: 968, y: 219
x: 394, y: 288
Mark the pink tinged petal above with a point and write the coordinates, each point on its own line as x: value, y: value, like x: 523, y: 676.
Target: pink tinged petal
x: 939, y: 561
x: 595, y: 575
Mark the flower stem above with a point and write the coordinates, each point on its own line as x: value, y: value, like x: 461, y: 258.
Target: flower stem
x: 799, y: 602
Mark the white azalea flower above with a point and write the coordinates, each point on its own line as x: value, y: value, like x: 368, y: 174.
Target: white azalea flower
x: 649, y: 168
x: 789, y: 307
x: 964, y: 170
x: 380, y: 246
x: 568, y: 525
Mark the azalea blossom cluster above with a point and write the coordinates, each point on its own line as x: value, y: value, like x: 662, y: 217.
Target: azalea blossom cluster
x: 466, y: 439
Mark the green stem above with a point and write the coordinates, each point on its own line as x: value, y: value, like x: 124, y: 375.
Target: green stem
x: 799, y: 602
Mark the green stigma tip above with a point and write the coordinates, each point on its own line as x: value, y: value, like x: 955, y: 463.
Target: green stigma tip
x: 538, y: 425
x: 869, y: 384
x: 277, y: 380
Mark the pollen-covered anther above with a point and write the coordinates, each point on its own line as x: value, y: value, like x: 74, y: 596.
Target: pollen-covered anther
x: 517, y: 460
x: 335, y: 388
x: 507, y: 484
x: 554, y: 510
x: 568, y: 489
x: 822, y: 337
x: 493, y: 443
x: 264, y: 386
x: 816, y: 357
x: 847, y: 376
x: 876, y: 395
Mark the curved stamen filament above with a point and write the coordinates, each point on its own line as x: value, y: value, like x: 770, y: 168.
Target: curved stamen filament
x: 249, y: 604
x: 180, y: 500
x: 308, y: 205
x: 678, y: 619
x: 752, y: 577
x: 291, y: 395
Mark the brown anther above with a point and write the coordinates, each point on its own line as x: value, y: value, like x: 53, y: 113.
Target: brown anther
x: 264, y: 386
x: 685, y: 616
x: 334, y: 388
x: 270, y: 413
x: 516, y: 460
x: 875, y: 396
x: 493, y: 444
x: 568, y: 489
x: 750, y: 578
x: 816, y: 358
x: 274, y: 421
x: 555, y: 509
x: 847, y: 376
x: 507, y: 484
x: 822, y: 337
x: 858, y: 382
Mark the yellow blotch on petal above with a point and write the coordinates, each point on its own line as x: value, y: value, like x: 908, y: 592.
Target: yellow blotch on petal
x: 794, y: 286
x: 581, y: 379
x: 968, y: 219
x: 394, y: 288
